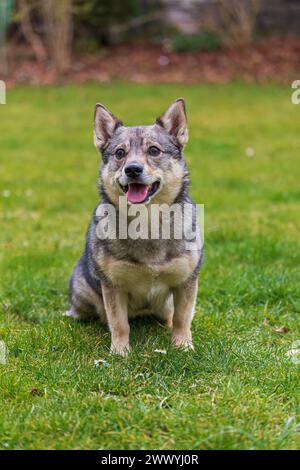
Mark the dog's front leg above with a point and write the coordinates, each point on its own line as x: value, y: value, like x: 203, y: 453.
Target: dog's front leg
x: 115, y: 302
x: 184, y: 304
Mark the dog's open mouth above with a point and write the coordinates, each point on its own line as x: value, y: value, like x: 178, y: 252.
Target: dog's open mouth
x: 138, y: 193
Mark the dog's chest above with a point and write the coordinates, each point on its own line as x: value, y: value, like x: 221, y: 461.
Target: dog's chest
x: 150, y: 277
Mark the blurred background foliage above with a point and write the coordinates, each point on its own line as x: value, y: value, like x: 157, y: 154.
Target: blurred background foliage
x: 95, y: 20
x: 53, y: 30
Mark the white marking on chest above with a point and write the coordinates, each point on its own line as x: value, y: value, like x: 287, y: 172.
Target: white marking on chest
x: 141, y: 277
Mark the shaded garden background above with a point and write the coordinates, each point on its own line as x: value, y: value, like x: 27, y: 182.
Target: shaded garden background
x: 188, y: 41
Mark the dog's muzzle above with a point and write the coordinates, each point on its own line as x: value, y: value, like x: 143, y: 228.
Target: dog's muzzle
x: 138, y: 191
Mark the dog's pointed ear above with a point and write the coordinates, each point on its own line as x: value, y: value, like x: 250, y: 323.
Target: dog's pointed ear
x: 174, y: 121
x: 105, y: 125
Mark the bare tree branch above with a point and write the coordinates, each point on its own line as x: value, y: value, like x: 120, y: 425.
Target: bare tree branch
x: 31, y: 37
x: 59, y: 30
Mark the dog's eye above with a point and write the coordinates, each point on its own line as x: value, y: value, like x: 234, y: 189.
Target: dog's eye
x: 120, y: 153
x: 153, y: 151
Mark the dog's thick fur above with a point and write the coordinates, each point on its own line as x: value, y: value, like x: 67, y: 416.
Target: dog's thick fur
x: 122, y: 278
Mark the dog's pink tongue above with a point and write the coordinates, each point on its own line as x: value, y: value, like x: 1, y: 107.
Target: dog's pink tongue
x: 137, y: 192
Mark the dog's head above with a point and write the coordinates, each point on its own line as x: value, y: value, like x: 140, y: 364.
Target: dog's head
x: 145, y: 163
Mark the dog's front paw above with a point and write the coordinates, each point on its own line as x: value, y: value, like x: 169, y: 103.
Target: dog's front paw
x: 120, y: 349
x: 183, y: 341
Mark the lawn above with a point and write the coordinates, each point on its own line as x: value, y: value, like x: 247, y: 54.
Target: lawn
x: 239, y: 389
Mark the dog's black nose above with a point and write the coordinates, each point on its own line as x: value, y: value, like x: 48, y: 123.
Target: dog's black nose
x: 133, y: 170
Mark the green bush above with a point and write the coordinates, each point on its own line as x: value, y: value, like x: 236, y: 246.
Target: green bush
x: 95, y: 18
x: 205, y: 41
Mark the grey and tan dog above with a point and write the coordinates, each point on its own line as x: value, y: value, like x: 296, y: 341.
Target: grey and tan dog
x: 117, y: 279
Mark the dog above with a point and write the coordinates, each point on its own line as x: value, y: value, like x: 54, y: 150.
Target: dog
x: 121, y: 278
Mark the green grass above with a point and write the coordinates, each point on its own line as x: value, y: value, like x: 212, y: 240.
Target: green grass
x: 239, y: 389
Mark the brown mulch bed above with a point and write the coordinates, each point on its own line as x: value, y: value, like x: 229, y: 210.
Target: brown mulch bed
x: 271, y: 60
